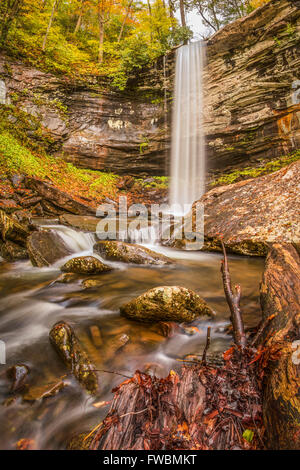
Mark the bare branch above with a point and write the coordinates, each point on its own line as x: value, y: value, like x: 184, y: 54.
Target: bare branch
x: 233, y: 300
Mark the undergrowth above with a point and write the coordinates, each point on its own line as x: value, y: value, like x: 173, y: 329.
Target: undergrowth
x: 254, y: 172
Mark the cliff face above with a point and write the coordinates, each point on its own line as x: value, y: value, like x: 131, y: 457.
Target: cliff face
x: 91, y: 125
x: 252, y: 96
x: 252, y: 91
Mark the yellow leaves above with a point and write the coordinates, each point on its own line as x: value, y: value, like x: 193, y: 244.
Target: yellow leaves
x: 258, y: 3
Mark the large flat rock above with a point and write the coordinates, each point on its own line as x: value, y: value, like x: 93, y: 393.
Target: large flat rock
x: 57, y: 198
x: 251, y: 214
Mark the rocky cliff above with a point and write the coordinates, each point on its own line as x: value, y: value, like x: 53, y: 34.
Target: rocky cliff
x: 91, y: 125
x: 253, y: 87
x: 252, y: 96
x: 251, y: 215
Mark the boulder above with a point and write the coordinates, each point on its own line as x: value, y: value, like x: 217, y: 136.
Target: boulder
x: 65, y: 342
x: 9, y: 206
x: 176, y: 304
x: 129, y: 253
x: 85, y: 265
x: 280, y: 301
x: 85, y: 223
x: 11, y: 251
x: 92, y: 283
x: 251, y: 214
x: 11, y: 229
x: 57, y: 198
x: 45, y: 247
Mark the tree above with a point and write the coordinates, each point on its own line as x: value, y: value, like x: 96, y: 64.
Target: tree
x: 130, y: 2
x: 217, y: 13
x: 78, y: 23
x: 104, y: 9
x: 182, y: 13
x: 55, y: 6
x: 9, y: 11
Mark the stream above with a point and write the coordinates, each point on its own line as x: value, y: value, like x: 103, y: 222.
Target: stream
x: 31, y: 302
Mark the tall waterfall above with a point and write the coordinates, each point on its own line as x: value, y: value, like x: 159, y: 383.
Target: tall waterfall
x: 187, y: 151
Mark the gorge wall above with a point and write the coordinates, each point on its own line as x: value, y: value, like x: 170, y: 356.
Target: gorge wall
x: 252, y: 96
x: 91, y: 125
x: 253, y: 87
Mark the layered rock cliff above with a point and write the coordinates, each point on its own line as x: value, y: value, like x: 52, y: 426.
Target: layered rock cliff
x: 91, y: 125
x: 252, y: 101
x: 252, y: 87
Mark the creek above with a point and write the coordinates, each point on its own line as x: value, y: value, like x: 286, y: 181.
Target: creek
x: 31, y: 302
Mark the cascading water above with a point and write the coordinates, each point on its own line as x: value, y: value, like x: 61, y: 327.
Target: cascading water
x: 188, y: 152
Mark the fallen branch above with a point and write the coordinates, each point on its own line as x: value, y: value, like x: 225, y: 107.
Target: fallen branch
x: 233, y: 300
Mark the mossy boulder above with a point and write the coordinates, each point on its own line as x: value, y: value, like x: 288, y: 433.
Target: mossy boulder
x: 64, y: 340
x: 11, y: 251
x: 170, y: 303
x: 85, y: 265
x: 129, y: 253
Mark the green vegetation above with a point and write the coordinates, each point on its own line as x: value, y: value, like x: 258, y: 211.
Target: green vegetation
x: 253, y: 172
x: 110, y: 38
x: 26, y: 155
x: 156, y: 182
x: 16, y: 158
x: 79, y: 38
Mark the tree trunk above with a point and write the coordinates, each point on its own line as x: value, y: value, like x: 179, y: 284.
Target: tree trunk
x: 11, y: 13
x: 182, y: 13
x: 171, y: 9
x: 124, y: 21
x: 101, y: 40
x: 280, y: 295
x: 54, y: 7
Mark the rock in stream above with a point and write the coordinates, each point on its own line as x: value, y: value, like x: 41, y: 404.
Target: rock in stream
x: 85, y: 265
x: 75, y: 358
x: 170, y: 303
x: 129, y: 253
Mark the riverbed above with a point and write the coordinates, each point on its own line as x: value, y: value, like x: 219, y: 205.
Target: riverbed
x: 31, y: 302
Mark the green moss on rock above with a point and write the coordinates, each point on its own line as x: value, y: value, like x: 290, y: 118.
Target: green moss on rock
x: 85, y: 265
x: 129, y: 253
x: 170, y: 303
x: 63, y: 338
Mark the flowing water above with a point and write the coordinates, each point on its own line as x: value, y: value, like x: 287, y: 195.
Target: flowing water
x: 31, y: 302
x: 187, y: 151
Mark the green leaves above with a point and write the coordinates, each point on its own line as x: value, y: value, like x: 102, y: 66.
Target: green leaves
x: 248, y: 435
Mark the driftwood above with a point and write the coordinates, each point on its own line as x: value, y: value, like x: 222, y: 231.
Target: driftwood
x: 280, y: 296
x: 201, y: 408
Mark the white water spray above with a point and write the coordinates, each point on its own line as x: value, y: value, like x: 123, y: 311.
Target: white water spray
x: 188, y: 151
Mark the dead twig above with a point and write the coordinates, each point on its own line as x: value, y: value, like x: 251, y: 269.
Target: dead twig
x: 261, y: 329
x: 233, y: 300
x: 108, y: 372
x: 206, y: 345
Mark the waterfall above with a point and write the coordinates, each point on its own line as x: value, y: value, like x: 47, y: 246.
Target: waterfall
x: 76, y: 240
x: 187, y: 150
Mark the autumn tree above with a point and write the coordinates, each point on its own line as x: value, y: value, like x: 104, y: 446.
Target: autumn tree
x: 55, y: 6
x: 9, y: 12
x: 104, y: 9
x: 217, y: 13
x: 127, y: 12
